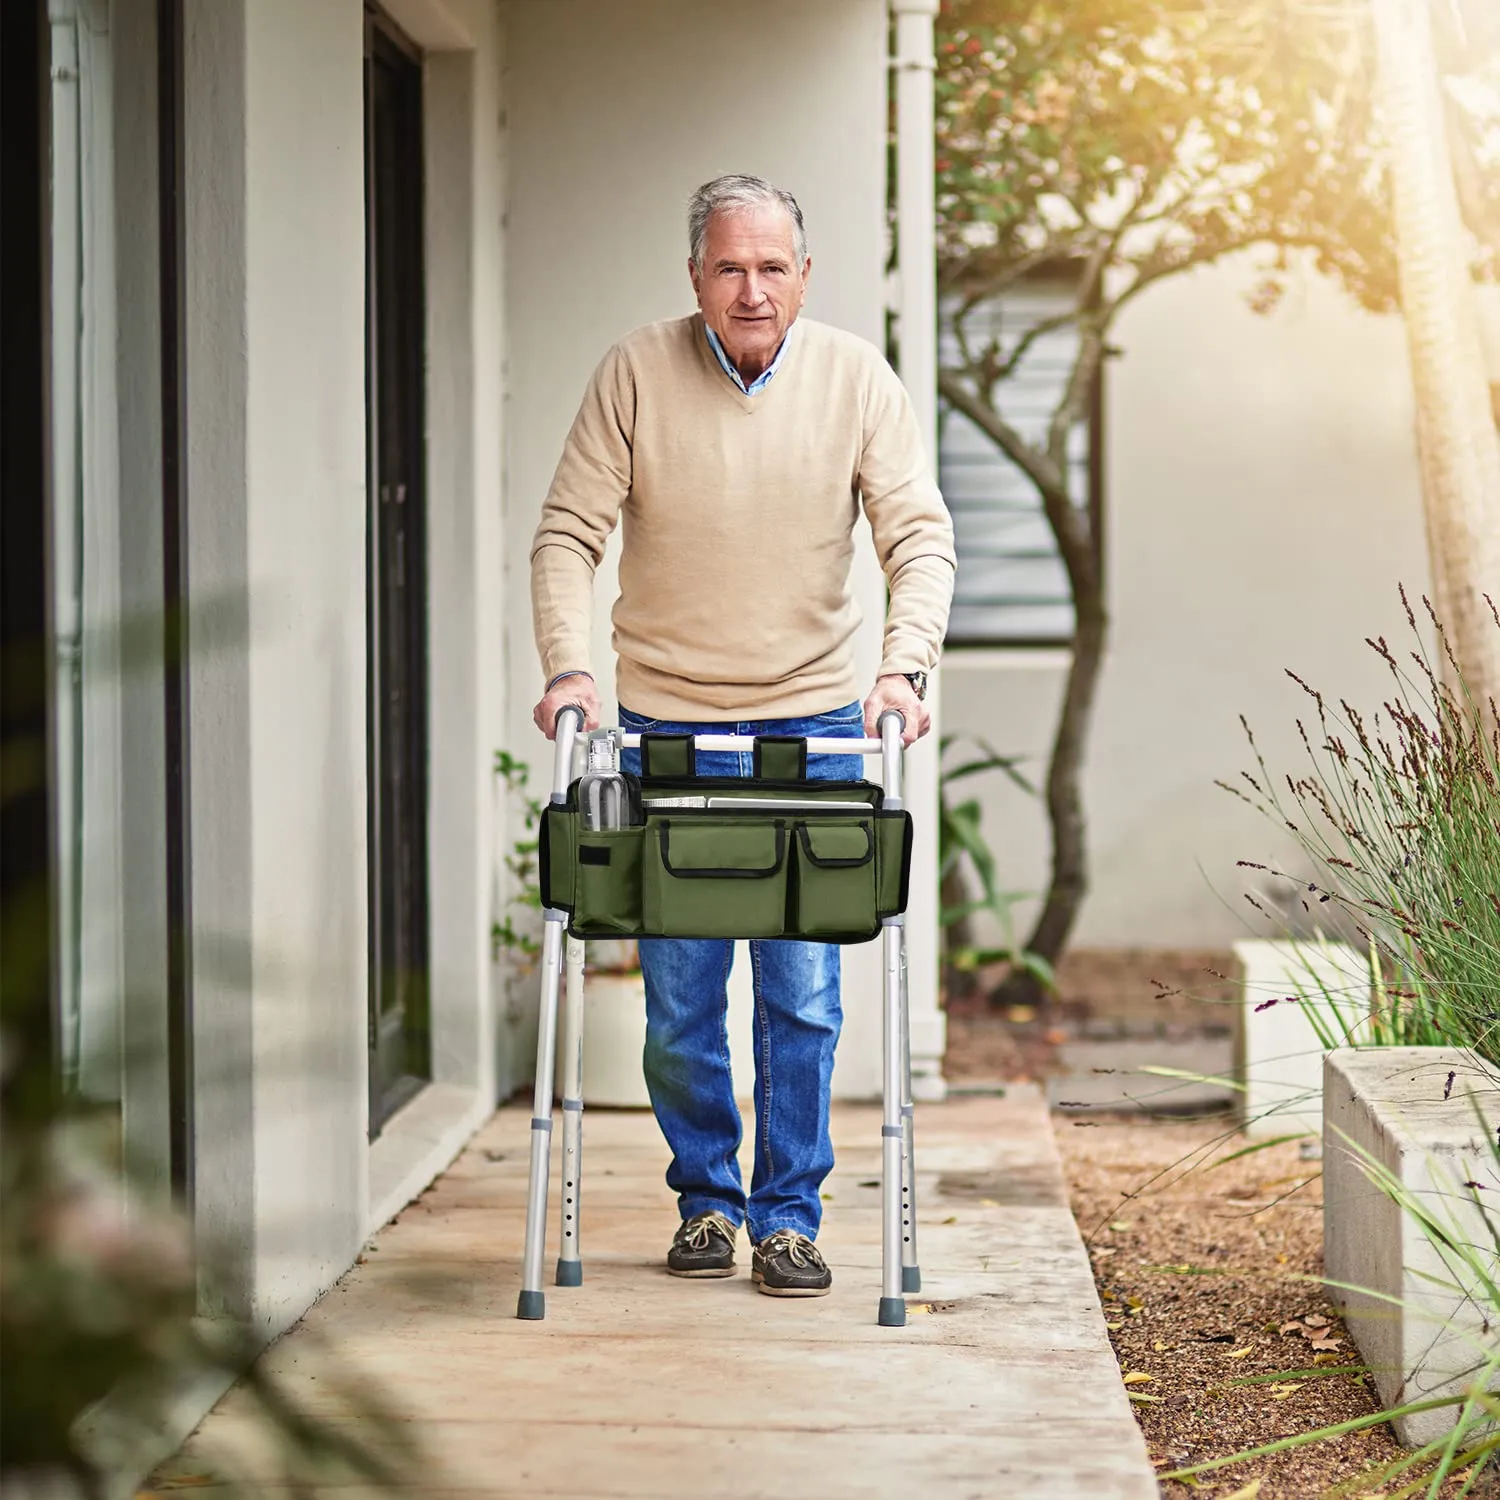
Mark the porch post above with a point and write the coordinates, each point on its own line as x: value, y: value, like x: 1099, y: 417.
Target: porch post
x: 913, y: 65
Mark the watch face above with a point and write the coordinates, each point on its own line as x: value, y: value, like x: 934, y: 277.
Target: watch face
x: 918, y: 682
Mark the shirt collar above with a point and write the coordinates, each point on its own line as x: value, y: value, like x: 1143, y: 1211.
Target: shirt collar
x: 762, y: 380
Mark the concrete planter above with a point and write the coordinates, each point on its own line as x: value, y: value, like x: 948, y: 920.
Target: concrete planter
x: 614, y: 1037
x: 1278, y: 1056
x: 1419, y: 1322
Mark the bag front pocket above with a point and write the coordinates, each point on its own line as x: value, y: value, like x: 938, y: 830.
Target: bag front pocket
x: 834, y: 880
x: 607, y: 882
x: 715, y: 878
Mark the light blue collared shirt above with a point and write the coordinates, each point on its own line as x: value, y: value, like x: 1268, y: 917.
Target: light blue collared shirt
x: 761, y: 381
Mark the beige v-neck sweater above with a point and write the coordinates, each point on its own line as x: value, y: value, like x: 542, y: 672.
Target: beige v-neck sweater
x: 739, y: 515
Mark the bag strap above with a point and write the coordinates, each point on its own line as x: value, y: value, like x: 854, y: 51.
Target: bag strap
x: 668, y: 755
x: 780, y: 757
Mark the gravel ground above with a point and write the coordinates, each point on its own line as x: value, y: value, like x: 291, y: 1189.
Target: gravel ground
x: 1208, y: 1273
x: 1201, y: 1269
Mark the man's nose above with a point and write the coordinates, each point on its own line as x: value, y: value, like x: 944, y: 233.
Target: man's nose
x: 752, y: 294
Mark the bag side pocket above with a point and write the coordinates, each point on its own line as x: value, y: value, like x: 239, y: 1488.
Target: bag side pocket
x: 608, y: 883
x: 833, y: 881
x: 893, y: 839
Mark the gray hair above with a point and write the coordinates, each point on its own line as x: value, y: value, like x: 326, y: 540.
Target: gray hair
x: 735, y: 194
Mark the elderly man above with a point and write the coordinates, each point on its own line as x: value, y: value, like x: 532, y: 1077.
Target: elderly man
x: 738, y: 446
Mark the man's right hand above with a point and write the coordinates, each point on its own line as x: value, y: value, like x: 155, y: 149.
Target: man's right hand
x: 571, y: 691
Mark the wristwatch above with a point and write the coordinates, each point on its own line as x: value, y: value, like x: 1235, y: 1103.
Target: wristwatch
x: 918, y: 682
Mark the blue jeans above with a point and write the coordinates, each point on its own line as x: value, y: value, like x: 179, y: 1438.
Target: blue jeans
x: 797, y: 1020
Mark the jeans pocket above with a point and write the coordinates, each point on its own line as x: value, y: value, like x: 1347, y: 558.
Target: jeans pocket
x: 636, y: 724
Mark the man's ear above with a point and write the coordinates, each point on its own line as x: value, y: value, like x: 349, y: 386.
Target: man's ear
x: 693, y: 277
x: 806, y: 276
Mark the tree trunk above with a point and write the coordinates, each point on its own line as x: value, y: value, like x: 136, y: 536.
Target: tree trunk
x: 1070, y: 872
x: 1460, y: 452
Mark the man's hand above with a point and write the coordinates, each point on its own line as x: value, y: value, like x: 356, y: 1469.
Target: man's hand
x: 896, y: 692
x: 576, y: 690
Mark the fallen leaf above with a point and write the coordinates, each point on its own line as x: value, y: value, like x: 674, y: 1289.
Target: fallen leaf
x: 1316, y: 1320
x: 1281, y: 1392
x: 1326, y: 1344
x: 1281, y: 1260
x: 1247, y: 1492
x: 1325, y: 1359
x: 1240, y: 1353
x: 1138, y: 1377
x: 988, y: 1203
x: 1022, y: 1013
x: 951, y: 1219
x: 1161, y: 1348
x: 1142, y: 1397
x: 1121, y: 1224
x: 916, y: 1309
x: 1114, y: 1327
x: 1293, y: 1325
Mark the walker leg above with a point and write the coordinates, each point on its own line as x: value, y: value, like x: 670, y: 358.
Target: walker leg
x: 911, y: 1272
x: 532, y: 1303
x: 892, y: 1303
x: 569, y: 1260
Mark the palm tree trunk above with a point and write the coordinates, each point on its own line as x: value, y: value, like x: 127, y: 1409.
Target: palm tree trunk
x: 1458, y: 443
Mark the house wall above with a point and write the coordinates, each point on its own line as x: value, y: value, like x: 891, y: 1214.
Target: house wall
x: 1261, y: 505
x: 277, y: 535
x: 617, y: 112
x: 276, y: 457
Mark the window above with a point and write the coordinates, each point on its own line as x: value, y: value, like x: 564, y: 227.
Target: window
x: 1012, y: 588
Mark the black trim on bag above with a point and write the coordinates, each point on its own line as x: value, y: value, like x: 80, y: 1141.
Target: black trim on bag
x: 786, y: 751
x: 668, y: 755
x: 804, y: 835
x: 722, y: 873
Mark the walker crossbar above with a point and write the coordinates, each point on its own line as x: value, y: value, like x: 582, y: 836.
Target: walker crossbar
x: 562, y: 958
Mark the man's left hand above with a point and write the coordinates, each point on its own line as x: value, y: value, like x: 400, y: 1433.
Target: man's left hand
x: 895, y: 692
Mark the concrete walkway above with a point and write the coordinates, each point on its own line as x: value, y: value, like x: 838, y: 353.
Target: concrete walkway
x: 1003, y: 1383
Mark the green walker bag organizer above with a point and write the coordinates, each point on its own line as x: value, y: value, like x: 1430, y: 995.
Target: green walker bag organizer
x: 743, y: 871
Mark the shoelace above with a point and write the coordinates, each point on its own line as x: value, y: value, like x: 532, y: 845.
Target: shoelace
x: 798, y: 1248
x: 696, y: 1231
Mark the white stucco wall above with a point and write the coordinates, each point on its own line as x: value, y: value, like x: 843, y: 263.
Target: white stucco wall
x: 616, y: 113
x: 277, y: 527
x: 1261, y: 504
x: 277, y: 422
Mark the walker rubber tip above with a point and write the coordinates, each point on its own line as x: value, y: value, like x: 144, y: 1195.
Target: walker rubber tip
x: 911, y: 1278
x: 570, y: 1273
x: 892, y: 1312
x: 532, y: 1306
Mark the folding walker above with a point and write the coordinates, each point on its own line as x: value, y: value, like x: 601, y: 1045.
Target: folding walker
x: 563, y: 957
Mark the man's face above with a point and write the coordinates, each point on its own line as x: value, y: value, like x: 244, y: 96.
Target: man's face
x: 750, y: 287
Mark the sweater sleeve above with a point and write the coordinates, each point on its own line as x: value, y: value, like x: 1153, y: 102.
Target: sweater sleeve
x: 911, y: 526
x: 582, y: 506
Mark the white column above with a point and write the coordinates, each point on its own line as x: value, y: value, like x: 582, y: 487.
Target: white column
x: 914, y: 63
